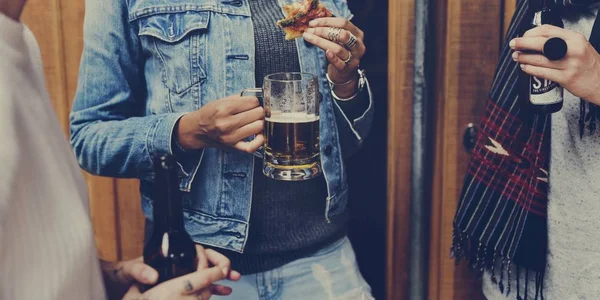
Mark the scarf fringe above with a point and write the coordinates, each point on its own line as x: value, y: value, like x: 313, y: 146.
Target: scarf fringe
x: 588, y: 113
x: 481, y: 258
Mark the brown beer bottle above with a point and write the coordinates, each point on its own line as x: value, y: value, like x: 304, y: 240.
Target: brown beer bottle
x: 170, y: 250
x: 540, y: 95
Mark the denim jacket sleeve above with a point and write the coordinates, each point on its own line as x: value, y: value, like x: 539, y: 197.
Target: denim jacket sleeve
x: 352, y: 132
x: 109, y: 132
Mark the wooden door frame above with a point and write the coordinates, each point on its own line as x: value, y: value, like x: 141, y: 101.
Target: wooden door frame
x: 466, y: 40
x: 400, y: 78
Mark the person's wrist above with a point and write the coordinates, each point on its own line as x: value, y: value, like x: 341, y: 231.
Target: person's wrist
x: 343, y: 85
x: 178, y: 143
x: 348, y: 90
x: 186, y: 138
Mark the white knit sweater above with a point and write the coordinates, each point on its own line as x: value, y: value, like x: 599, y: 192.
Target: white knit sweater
x: 47, y: 246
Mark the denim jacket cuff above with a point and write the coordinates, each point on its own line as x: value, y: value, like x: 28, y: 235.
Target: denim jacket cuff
x: 178, y: 150
x: 160, y: 141
x: 186, y: 159
x: 161, y: 134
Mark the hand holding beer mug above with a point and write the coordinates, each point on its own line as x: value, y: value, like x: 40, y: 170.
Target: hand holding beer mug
x: 291, y: 103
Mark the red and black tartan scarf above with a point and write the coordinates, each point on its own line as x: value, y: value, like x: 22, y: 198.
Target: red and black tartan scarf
x: 501, y: 217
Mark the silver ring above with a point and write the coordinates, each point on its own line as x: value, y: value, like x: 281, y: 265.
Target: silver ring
x: 351, y: 41
x: 333, y: 34
x: 347, y: 60
x: 330, y: 33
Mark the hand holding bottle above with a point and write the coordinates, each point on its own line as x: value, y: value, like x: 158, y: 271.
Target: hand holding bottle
x: 212, y: 267
x: 578, y: 71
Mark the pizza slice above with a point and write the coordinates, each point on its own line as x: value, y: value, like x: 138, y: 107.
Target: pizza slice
x: 298, y: 15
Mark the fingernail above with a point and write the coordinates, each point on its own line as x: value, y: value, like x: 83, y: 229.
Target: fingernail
x: 329, y: 54
x: 522, y: 66
x: 225, y: 272
x: 515, y: 55
x: 512, y: 43
x: 310, y: 30
x: 150, y: 275
x: 307, y: 35
x: 312, y: 23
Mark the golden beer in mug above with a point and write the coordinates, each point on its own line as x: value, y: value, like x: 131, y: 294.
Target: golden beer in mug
x: 291, y: 151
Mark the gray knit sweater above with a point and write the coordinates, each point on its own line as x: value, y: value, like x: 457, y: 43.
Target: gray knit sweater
x: 287, y: 220
x: 573, y: 260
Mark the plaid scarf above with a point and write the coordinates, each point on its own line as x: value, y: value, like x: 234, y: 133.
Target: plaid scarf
x: 501, y: 217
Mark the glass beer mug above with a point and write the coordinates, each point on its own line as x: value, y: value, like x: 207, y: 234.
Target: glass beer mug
x: 291, y: 103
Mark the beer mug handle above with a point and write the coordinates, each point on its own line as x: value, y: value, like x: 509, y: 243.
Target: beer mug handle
x: 258, y: 93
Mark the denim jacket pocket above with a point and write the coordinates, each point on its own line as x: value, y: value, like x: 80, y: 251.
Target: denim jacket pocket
x: 176, y: 43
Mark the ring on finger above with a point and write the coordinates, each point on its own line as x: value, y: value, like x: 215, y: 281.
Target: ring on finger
x: 351, y: 41
x: 347, y: 60
x: 333, y: 34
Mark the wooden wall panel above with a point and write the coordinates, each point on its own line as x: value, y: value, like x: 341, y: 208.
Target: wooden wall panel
x: 469, y: 45
x: 43, y: 18
x: 435, y: 257
x: 72, y: 15
x: 104, y: 211
x: 468, y: 35
x: 509, y: 9
x: 58, y: 27
x: 401, y: 56
x: 130, y: 218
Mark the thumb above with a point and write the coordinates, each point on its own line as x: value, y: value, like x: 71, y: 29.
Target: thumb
x: 137, y: 271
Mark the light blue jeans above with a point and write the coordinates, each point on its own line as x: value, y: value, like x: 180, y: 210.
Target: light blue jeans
x: 330, y: 274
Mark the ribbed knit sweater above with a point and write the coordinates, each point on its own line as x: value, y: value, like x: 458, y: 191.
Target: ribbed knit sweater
x: 287, y: 221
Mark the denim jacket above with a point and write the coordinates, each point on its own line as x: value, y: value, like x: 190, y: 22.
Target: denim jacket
x: 147, y: 62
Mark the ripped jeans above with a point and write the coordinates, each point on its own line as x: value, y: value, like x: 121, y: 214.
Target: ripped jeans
x: 330, y: 274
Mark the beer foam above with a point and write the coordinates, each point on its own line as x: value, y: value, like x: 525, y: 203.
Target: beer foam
x: 291, y: 117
